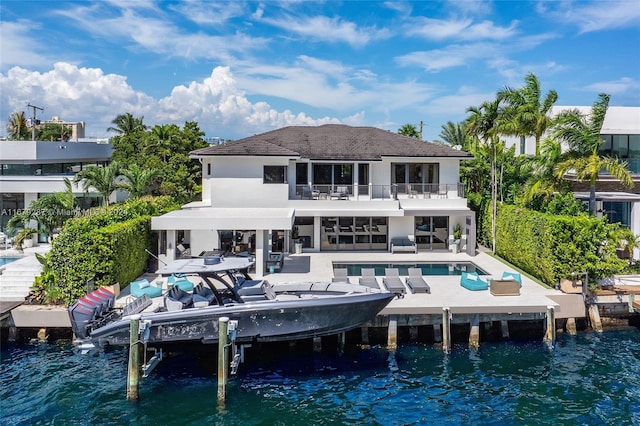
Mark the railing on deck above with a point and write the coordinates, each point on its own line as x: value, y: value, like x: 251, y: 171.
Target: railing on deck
x: 378, y: 192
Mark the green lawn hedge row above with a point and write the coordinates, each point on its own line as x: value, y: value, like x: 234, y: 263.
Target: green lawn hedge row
x: 107, y: 245
x: 550, y: 247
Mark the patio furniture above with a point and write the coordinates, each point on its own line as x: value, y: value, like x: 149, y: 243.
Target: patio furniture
x: 180, y: 281
x: 472, y: 281
x: 140, y: 287
x: 340, y: 192
x: 340, y: 276
x: 392, y: 282
x: 177, y: 299
x: 368, y: 278
x: 504, y: 287
x: 403, y: 244
x: 512, y: 276
x: 416, y: 283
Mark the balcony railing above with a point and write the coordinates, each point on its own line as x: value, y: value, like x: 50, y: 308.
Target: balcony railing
x: 378, y: 192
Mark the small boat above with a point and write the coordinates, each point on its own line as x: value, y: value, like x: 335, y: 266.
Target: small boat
x: 264, y: 312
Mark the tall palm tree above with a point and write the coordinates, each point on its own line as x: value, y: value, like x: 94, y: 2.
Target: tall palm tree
x: 528, y: 112
x: 455, y: 135
x: 126, y: 124
x: 162, y: 139
x: 17, y: 127
x: 544, y: 182
x: 102, y: 179
x: 485, y: 123
x: 582, y: 135
x: 409, y: 130
x: 138, y: 180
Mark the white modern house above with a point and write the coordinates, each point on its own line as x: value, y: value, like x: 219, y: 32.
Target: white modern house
x: 621, y: 135
x: 31, y: 169
x: 339, y: 188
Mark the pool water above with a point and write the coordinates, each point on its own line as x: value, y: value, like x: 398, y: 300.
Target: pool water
x: 5, y: 260
x: 355, y: 269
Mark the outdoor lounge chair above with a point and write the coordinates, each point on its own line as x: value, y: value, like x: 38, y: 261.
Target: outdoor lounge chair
x: 368, y: 278
x: 416, y: 283
x: 512, y: 276
x: 202, y: 296
x: 472, y: 281
x: 341, y: 193
x: 180, y: 281
x: 392, y: 282
x: 340, y: 276
x: 177, y: 299
x: 143, y: 286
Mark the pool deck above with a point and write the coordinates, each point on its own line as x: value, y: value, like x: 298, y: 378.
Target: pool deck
x: 446, y: 291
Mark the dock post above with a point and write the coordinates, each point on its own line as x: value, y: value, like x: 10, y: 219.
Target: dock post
x: 392, y: 338
x: 550, y: 334
x: 446, y: 330
x: 474, y: 332
x: 133, y: 371
x: 632, y: 299
x: 437, y: 333
x: 504, y: 326
x: 317, y: 344
x: 223, y: 370
x: 594, y: 317
x: 42, y: 335
x: 364, y: 336
x: 571, y: 326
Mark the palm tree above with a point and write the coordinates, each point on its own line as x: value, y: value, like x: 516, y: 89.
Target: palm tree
x: 544, y: 182
x: 162, y: 138
x: 582, y: 135
x: 126, y: 124
x: 485, y: 124
x: 455, y: 135
x: 528, y: 113
x: 17, y: 127
x: 103, y: 179
x: 409, y: 130
x: 138, y: 180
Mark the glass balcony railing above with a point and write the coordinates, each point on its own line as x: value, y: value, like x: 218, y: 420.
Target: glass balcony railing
x: 378, y: 192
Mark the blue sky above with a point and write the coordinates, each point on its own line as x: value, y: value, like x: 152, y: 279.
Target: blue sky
x: 240, y: 68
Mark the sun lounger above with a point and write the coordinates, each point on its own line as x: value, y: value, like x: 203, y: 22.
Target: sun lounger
x: 143, y: 286
x: 392, y: 281
x: 340, y: 276
x: 368, y: 278
x: 472, y: 281
x: 416, y: 283
x: 180, y: 281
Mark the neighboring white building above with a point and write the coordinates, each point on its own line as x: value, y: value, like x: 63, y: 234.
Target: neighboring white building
x: 30, y: 169
x: 343, y: 188
x: 621, y: 133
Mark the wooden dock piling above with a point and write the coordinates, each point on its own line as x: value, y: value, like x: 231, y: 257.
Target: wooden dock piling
x: 446, y: 330
x: 133, y: 371
x: 504, y: 327
x: 223, y: 369
x: 570, y: 326
x: 474, y: 332
x: 550, y: 334
x: 594, y: 317
x: 392, y: 338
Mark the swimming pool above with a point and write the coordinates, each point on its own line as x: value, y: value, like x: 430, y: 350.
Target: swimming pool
x: 5, y: 260
x: 433, y: 268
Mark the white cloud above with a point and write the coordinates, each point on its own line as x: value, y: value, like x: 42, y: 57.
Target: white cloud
x: 18, y: 46
x: 451, y: 56
x: 465, y: 29
x: 90, y: 95
x: 323, y: 28
x: 593, y: 16
x: 623, y: 85
x: 208, y: 13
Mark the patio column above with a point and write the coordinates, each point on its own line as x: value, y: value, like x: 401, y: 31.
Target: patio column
x: 261, y: 254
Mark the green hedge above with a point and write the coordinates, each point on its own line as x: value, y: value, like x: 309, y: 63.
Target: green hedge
x: 550, y: 247
x: 107, y: 245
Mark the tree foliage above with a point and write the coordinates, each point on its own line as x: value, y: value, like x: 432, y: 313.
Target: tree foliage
x: 409, y: 130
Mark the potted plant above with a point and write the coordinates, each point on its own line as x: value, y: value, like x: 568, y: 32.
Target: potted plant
x: 24, y: 238
x: 457, y: 235
x: 295, y: 237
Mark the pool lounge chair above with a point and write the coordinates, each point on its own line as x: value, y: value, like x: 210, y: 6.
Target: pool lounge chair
x: 180, y: 281
x: 392, y: 282
x: 340, y: 276
x: 416, y: 283
x: 368, y: 278
x: 139, y: 287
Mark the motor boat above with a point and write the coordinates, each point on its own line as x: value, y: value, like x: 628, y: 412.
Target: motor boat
x: 219, y: 287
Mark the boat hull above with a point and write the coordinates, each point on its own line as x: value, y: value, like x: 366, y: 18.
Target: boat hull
x: 267, y: 321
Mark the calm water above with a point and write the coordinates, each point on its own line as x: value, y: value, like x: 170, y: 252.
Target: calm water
x: 355, y: 269
x: 588, y: 379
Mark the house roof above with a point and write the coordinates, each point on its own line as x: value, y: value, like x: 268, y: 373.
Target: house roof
x: 331, y: 142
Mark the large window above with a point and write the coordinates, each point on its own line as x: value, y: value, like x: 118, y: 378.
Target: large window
x: 353, y: 233
x: 275, y: 174
x: 432, y: 232
x: 10, y: 204
x: 624, y: 147
x: 327, y: 176
x: 419, y: 177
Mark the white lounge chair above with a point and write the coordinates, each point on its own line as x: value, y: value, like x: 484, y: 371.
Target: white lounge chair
x: 368, y: 278
x: 392, y: 282
x: 340, y: 276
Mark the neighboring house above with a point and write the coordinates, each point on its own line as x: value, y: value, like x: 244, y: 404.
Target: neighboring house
x: 31, y: 169
x: 621, y: 133
x: 340, y: 187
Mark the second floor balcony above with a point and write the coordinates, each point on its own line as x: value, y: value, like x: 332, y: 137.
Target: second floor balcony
x: 376, y: 192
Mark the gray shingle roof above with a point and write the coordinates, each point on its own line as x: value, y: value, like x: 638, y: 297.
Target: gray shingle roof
x: 332, y: 142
